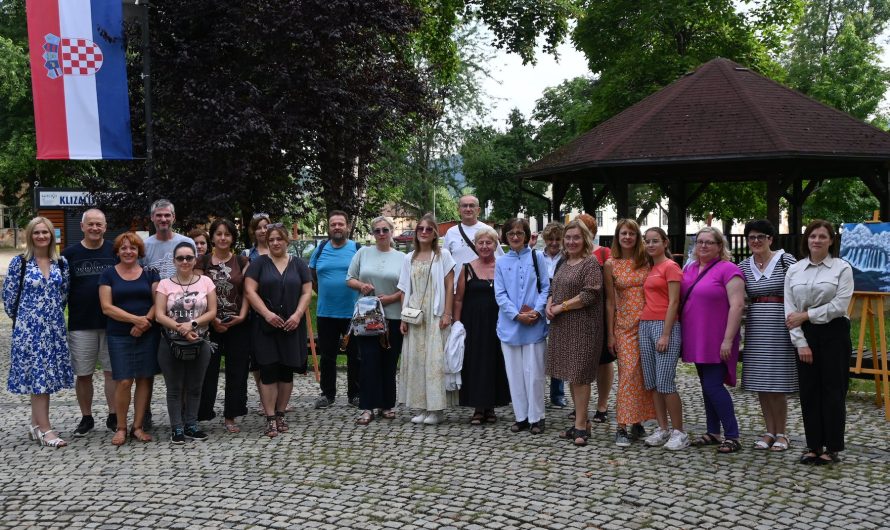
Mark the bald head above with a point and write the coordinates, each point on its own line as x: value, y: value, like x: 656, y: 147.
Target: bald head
x: 93, y: 226
x: 468, y: 205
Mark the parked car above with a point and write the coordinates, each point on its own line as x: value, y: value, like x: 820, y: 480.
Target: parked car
x: 405, y: 237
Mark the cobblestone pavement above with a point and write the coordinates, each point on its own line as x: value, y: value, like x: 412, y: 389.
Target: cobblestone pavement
x: 329, y: 473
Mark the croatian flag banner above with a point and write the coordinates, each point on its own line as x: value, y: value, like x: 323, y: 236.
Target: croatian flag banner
x: 79, y: 79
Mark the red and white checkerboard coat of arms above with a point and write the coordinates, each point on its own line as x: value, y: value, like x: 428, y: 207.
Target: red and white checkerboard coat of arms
x: 66, y: 56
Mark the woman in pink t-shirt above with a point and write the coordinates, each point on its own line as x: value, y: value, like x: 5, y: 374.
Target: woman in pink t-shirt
x: 660, y: 340
x: 185, y: 305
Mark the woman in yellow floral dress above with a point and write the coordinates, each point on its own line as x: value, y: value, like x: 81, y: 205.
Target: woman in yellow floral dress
x: 625, y: 272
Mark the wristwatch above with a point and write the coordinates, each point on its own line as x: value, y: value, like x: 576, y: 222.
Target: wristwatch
x: 194, y: 324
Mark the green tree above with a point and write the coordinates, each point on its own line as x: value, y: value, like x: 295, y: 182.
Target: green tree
x: 835, y: 58
x: 491, y: 159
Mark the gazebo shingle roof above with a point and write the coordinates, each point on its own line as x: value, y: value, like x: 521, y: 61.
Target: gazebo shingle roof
x: 721, y: 111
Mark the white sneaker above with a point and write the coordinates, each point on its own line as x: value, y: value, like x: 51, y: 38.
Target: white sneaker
x: 658, y: 437
x: 679, y: 440
x: 433, y: 418
x: 419, y: 418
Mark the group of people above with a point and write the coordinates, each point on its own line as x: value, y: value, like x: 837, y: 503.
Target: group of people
x: 570, y: 311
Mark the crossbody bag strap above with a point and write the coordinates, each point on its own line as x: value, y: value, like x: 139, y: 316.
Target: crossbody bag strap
x: 18, y: 298
x: 463, y: 234
x: 537, y: 271
x: 700, y: 276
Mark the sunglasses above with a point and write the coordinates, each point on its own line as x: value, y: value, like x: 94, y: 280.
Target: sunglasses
x: 260, y: 215
x: 425, y: 229
x: 381, y: 231
x: 274, y: 225
x: 180, y: 259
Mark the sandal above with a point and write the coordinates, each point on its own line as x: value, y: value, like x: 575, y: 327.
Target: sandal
x: 569, y: 434
x: 388, y: 414
x: 231, y: 428
x: 828, y: 457
x: 490, y: 416
x: 271, y: 427
x: 781, y: 446
x: 120, y: 437
x: 519, y: 426
x: 138, y: 433
x: 706, y: 439
x: 601, y: 416
x: 581, y: 438
x: 537, y: 427
x: 763, y: 445
x: 729, y: 446
x: 365, y: 418
x: 477, y: 418
x: 281, y: 422
x: 809, y: 457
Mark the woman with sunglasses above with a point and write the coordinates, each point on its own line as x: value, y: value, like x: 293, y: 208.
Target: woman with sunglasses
x: 374, y: 271
x: 278, y: 287
x: 712, y: 298
x: 185, y: 305
x: 427, y: 283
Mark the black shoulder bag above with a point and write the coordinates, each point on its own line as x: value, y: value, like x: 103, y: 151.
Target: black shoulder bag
x: 466, y: 239
x: 18, y: 298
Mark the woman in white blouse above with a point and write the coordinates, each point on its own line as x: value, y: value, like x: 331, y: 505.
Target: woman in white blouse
x: 817, y: 292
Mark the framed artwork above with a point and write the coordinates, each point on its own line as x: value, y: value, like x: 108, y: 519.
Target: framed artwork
x: 866, y: 246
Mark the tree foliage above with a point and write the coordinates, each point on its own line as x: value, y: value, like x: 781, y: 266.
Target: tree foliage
x: 491, y: 160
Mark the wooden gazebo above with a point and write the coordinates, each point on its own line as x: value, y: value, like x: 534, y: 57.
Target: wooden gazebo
x: 721, y: 122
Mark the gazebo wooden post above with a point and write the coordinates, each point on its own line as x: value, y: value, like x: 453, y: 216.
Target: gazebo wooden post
x: 795, y: 202
x: 773, y: 193
x: 879, y: 184
x: 621, y: 193
x: 560, y: 188
x: 677, y: 204
x: 586, y: 190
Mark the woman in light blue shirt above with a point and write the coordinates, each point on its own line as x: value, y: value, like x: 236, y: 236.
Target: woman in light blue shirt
x: 521, y: 286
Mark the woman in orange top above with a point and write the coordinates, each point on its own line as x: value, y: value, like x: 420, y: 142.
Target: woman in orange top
x: 625, y: 273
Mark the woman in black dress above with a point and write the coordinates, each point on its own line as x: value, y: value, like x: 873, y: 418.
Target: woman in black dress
x: 278, y: 288
x: 484, y: 378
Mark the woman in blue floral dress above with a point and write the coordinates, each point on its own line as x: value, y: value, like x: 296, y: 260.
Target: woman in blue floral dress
x: 39, y: 362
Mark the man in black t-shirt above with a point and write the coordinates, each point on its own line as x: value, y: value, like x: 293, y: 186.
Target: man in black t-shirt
x: 86, y: 322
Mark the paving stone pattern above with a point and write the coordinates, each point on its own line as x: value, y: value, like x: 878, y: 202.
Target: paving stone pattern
x: 327, y: 473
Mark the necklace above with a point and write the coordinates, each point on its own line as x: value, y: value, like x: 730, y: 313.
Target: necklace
x: 222, y: 260
x: 762, y: 264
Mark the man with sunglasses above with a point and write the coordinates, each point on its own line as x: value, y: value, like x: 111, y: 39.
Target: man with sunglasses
x: 328, y: 265
x: 459, y: 238
x: 159, y: 247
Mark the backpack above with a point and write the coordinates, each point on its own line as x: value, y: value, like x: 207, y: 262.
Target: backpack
x: 368, y: 319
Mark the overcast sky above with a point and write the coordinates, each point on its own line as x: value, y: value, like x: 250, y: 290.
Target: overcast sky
x: 514, y: 85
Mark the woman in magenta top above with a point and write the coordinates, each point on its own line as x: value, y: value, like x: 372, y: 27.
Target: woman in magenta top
x: 713, y: 298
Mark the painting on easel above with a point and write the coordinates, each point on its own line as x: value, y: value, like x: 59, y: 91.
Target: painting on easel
x: 866, y: 246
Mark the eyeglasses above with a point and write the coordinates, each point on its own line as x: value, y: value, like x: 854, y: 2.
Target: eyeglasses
x: 260, y: 215
x: 180, y: 259
x: 468, y: 205
x: 705, y: 243
x: 381, y: 231
x: 758, y: 237
x: 424, y: 229
x: 515, y: 234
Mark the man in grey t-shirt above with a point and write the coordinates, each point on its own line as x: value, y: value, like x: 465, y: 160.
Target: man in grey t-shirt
x: 159, y: 247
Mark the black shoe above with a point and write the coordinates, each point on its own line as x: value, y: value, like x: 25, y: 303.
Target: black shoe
x: 111, y: 422
x: 194, y: 433
x: 86, y: 425
x: 810, y: 457
x: 637, y: 431
x: 146, y: 421
x: 178, y: 436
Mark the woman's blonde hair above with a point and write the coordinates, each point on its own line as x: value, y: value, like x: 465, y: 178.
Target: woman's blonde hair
x: 586, y: 236
x: 725, y: 255
x: 29, y: 240
x: 639, y: 257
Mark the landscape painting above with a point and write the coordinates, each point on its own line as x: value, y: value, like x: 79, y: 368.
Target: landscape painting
x: 866, y: 246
